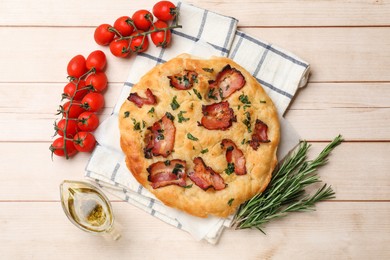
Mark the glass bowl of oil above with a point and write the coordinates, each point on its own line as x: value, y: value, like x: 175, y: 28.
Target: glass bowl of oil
x: 88, y: 208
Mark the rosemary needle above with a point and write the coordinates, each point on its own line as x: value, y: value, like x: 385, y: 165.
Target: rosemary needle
x: 286, y: 190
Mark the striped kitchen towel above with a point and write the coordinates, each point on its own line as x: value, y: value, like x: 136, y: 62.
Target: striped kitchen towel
x: 204, y: 34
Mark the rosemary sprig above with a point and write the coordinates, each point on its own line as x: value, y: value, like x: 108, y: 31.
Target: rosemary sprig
x: 286, y: 190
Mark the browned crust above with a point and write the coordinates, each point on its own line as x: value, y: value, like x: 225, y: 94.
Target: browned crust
x: 195, y: 201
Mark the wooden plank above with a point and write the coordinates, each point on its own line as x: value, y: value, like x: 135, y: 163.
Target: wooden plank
x: 335, y: 230
x: 25, y: 98
x: 342, y: 95
x: 30, y: 174
x: 249, y: 12
x: 335, y: 54
x: 355, y: 124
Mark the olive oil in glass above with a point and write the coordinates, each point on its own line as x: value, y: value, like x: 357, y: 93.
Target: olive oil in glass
x: 88, y: 208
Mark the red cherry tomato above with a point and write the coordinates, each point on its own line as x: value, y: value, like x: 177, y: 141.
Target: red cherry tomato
x: 120, y: 48
x: 139, y: 43
x: 57, y: 147
x: 88, y: 121
x: 97, y: 80
x: 164, y: 10
x: 93, y: 102
x: 71, y: 128
x: 96, y: 59
x: 103, y: 35
x: 143, y: 19
x: 123, y: 25
x: 72, y: 109
x: 76, y: 66
x: 161, y: 38
x: 75, y: 90
x: 84, y: 141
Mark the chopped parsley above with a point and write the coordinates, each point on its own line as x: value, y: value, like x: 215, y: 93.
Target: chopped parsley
x: 170, y: 116
x: 160, y: 135
x: 136, y: 125
x: 178, y: 168
x: 244, y: 99
x: 204, y: 151
x: 230, y: 168
x: 167, y: 162
x: 181, y: 117
x: 188, y: 186
x: 151, y: 111
x: 197, y: 93
x: 126, y: 114
x: 263, y: 101
x: 247, y: 122
x: 191, y: 137
x: 210, y: 70
x: 230, y: 202
x: 211, y: 94
x: 174, y: 104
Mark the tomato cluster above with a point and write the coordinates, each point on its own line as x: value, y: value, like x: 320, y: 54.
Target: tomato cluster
x: 83, y: 98
x: 130, y: 34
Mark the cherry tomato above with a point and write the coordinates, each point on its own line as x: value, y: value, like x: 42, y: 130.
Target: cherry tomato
x: 71, y: 128
x: 143, y: 19
x: 84, y: 141
x: 88, y: 121
x: 123, y: 25
x: 139, y: 43
x: 97, y: 80
x: 73, y: 109
x: 119, y: 48
x: 75, y: 90
x: 93, y: 102
x: 76, y: 66
x: 103, y: 35
x: 164, y: 10
x: 161, y: 38
x: 96, y: 59
x: 57, y: 147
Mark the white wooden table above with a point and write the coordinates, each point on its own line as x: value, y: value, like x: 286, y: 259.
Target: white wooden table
x: 348, y: 46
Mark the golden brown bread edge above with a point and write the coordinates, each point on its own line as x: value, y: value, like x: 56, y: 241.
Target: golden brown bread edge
x: 210, y: 202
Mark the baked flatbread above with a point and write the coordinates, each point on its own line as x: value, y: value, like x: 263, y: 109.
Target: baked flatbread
x: 200, y: 134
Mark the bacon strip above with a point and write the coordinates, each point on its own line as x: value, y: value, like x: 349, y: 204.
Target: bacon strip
x: 217, y: 116
x: 228, y: 81
x: 184, y: 80
x: 164, y: 173
x: 161, y: 138
x: 234, y: 156
x: 140, y: 101
x: 259, y: 134
x: 205, y: 177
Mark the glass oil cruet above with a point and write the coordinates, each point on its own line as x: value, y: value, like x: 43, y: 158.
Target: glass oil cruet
x: 88, y: 208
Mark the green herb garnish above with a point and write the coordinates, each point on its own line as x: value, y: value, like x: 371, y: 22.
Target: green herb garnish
x: 263, y: 101
x: 230, y: 202
x: 188, y: 186
x: 204, y: 151
x: 230, y: 168
x: 167, y: 162
x: 151, y: 111
x: 126, y: 114
x: 210, y: 70
x: 181, y: 118
x: 286, y: 191
x: 170, y: 116
x: 197, y: 93
x: 247, y: 122
x: 174, y: 104
x: 211, y: 94
x: 191, y: 137
x: 178, y: 167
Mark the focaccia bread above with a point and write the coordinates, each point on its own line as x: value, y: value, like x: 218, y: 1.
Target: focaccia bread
x: 200, y: 134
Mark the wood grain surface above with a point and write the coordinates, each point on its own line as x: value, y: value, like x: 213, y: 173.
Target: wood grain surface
x: 347, y: 44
